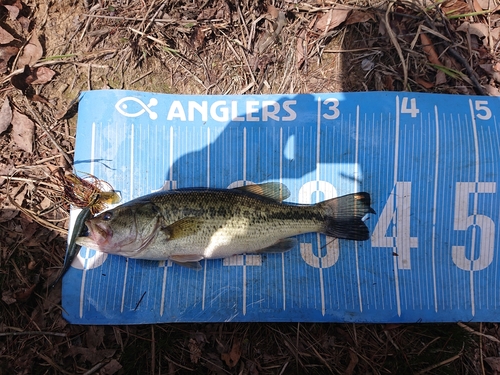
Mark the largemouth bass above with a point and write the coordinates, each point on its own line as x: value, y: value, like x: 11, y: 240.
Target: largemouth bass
x: 188, y: 225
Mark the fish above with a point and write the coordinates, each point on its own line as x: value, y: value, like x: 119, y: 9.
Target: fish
x: 191, y: 224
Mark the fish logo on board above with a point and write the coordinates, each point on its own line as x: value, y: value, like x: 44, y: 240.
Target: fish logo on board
x: 122, y: 107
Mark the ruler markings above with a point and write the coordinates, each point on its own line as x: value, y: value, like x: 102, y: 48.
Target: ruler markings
x: 396, y: 161
x: 356, y: 189
x: 244, y: 256
x: 434, y: 210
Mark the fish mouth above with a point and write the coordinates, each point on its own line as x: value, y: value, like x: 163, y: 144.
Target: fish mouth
x: 95, y: 236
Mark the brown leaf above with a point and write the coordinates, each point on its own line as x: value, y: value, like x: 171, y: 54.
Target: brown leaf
x: 5, y: 115
x: 197, y: 37
x: 32, y: 52
x: 494, y: 363
x: 23, y: 131
x: 358, y: 16
x: 476, y: 6
x: 22, y: 294
x: 194, y: 351
x: 478, y: 29
x: 233, y: 356
x: 111, y: 368
x: 493, y: 91
x: 273, y: 11
x: 455, y: 7
x: 441, y: 78
x: 6, y: 53
x: 332, y: 19
x: 13, y: 11
x: 8, y: 298
x: 300, y: 51
x: 7, y: 214
x: 426, y: 84
x: 5, y: 36
x: 25, y: 23
x: 429, y: 50
x: 207, y: 14
x: 42, y: 75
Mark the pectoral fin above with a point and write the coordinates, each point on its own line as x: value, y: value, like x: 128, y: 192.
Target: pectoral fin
x: 182, y: 228
x: 281, y: 246
x: 190, y: 260
x: 273, y: 190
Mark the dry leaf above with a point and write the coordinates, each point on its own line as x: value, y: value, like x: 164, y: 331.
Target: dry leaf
x: 332, y: 19
x: 6, y: 53
x: 491, y: 71
x: 32, y: 52
x: 207, y: 14
x: 233, y: 356
x: 7, y: 210
x: 5, y: 115
x: 111, y: 368
x: 491, y: 90
x: 441, y: 78
x: 7, y: 297
x: 494, y: 363
x: 426, y: 84
x: 5, y: 36
x: 476, y: 6
x: 476, y: 28
x: 358, y: 16
x: 194, y: 351
x: 42, y: 75
x: 23, y: 131
x: 455, y: 7
x: 300, y: 52
x: 273, y: 11
x: 429, y: 50
x: 13, y: 11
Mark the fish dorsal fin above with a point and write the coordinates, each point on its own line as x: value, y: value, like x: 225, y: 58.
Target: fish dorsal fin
x: 273, y: 190
x: 182, y: 228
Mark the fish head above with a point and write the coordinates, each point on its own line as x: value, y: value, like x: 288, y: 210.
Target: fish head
x: 125, y: 230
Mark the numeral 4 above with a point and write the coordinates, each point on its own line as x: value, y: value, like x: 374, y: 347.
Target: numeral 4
x: 412, y: 109
x: 393, y: 227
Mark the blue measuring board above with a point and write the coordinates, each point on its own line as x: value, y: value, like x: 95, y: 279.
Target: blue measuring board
x: 430, y: 162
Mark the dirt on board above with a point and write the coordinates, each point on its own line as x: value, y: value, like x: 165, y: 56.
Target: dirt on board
x: 51, y: 50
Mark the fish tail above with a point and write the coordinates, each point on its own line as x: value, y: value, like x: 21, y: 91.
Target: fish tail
x: 345, y: 216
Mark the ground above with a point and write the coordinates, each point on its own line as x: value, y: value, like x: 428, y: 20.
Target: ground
x: 50, y: 51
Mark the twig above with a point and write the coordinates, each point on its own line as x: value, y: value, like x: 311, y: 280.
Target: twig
x: 96, y: 367
x: 141, y: 77
x: 469, y: 329
x: 395, y: 42
x: 32, y: 333
x: 481, y: 350
x: 442, y: 363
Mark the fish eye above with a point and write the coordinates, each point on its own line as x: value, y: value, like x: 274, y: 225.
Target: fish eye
x: 107, y: 216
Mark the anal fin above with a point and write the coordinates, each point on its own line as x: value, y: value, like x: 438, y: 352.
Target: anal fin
x: 281, y: 246
x: 191, y: 261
